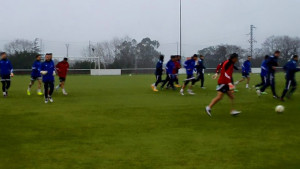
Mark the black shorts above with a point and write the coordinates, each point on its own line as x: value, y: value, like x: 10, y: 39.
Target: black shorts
x: 245, y: 74
x: 62, y: 79
x: 224, y: 88
x: 33, y: 78
x: 5, y: 78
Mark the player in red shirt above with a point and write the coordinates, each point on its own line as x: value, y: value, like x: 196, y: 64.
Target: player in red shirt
x: 225, y: 85
x: 62, y: 70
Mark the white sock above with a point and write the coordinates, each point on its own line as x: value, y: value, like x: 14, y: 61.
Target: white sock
x: 4, y: 93
x: 39, y: 90
x: 63, y: 90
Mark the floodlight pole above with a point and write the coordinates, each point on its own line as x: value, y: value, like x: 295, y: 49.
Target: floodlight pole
x: 180, y: 34
x: 252, y: 40
x: 67, y: 46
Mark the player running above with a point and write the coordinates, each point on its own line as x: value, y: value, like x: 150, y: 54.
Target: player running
x: 246, y: 70
x: 62, y: 70
x: 200, y: 71
x: 48, y: 72
x: 225, y: 84
x: 171, y: 70
x: 291, y: 84
x: 158, y: 73
x: 272, y: 63
x: 263, y: 74
x: 178, y: 66
x: 190, y: 66
x: 6, y: 72
x: 36, y: 76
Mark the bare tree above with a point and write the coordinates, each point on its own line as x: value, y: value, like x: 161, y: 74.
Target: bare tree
x: 287, y: 45
x: 22, y: 45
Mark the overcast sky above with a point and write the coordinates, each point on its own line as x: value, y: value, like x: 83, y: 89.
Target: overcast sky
x: 205, y: 22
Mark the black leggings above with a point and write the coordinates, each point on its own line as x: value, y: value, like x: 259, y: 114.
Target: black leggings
x: 263, y: 81
x: 5, y: 85
x: 270, y: 82
x: 158, y: 80
x: 290, y: 87
x: 200, y: 76
x: 189, y: 79
x: 47, y: 85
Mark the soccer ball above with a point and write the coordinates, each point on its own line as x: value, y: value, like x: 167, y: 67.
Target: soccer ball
x: 279, y: 109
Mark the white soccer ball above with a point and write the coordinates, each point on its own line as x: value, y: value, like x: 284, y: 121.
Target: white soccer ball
x: 279, y: 109
x: 130, y: 74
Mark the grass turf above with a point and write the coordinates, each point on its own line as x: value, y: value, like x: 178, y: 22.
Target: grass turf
x: 118, y: 122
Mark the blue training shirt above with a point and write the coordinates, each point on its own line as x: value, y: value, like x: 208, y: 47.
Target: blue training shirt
x: 246, y: 68
x: 36, y: 69
x: 5, y: 67
x: 264, y: 69
x: 190, y: 66
x: 271, y: 61
x: 48, y: 66
x: 170, y: 67
x: 159, y: 67
x: 291, y: 69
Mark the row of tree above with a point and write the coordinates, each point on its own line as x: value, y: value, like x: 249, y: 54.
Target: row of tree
x: 287, y: 45
x: 128, y: 53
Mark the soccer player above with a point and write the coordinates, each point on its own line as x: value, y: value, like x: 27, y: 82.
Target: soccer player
x: 200, y: 71
x: 171, y: 70
x: 48, y: 72
x: 272, y: 63
x: 62, y: 70
x: 290, y: 70
x: 263, y: 73
x: 246, y: 70
x: 36, y: 76
x: 219, y: 68
x: 178, y: 66
x: 158, y: 73
x: 6, y: 72
x: 225, y: 84
x: 190, y: 66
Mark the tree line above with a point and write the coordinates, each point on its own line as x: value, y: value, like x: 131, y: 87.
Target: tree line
x: 124, y: 53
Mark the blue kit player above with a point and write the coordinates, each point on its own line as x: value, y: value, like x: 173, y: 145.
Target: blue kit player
x: 272, y: 63
x: 36, y: 76
x: 291, y: 84
x: 246, y: 70
x: 158, y: 73
x: 190, y: 66
x: 263, y: 74
x: 200, y: 71
x: 171, y: 71
x: 48, y: 72
x: 6, y: 72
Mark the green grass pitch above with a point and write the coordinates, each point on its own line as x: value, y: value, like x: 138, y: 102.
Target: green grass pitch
x: 117, y: 122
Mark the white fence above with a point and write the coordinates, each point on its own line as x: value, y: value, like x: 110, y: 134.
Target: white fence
x: 105, y: 72
x: 118, y: 72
